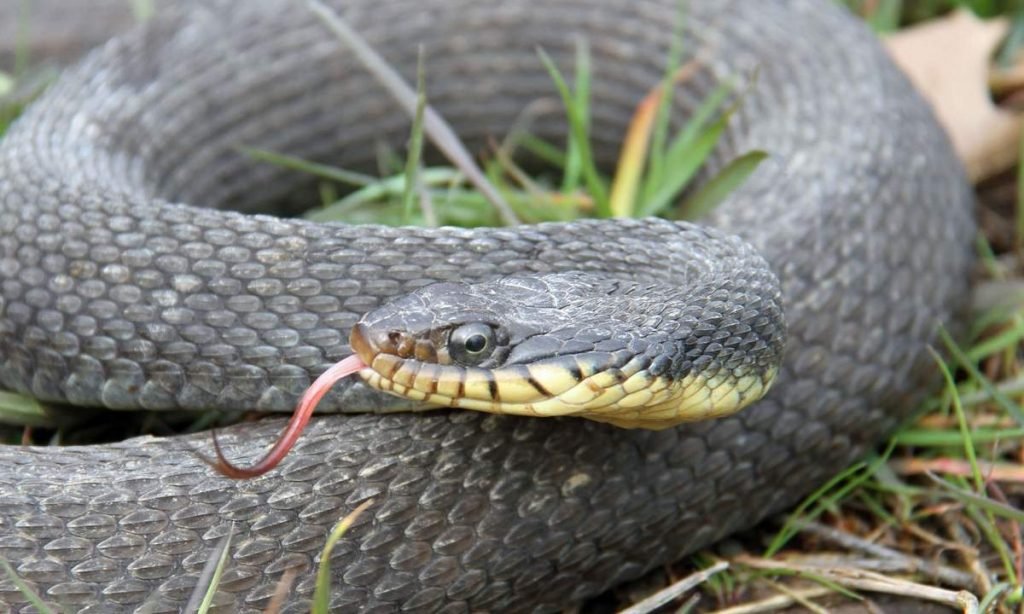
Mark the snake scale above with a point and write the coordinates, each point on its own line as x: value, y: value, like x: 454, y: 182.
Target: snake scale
x: 140, y: 266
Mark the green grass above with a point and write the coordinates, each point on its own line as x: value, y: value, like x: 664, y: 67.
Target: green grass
x: 8, y: 111
x: 211, y: 575
x: 31, y: 596
x: 934, y: 485
x: 322, y: 593
x: 932, y: 479
x: 449, y: 196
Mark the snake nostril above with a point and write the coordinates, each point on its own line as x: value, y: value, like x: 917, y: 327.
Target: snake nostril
x: 378, y: 341
x: 407, y: 347
x: 400, y: 344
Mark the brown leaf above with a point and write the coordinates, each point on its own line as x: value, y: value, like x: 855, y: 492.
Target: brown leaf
x: 949, y: 61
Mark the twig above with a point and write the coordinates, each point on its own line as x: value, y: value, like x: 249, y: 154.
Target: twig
x: 870, y: 581
x: 797, y: 597
x: 433, y: 124
x: 974, y: 563
x: 776, y: 602
x: 281, y: 591
x: 899, y: 565
x: 942, y: 422
x: 943, y: 574
x: 1009, y: 387
x: 995, y: 471
x: 935, y: 540
x: 675, y: 590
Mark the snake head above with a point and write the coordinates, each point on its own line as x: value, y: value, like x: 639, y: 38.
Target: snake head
x: 464, y: 325
x: 568, y: 344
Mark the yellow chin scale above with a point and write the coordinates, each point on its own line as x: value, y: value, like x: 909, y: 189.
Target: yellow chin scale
x: 629, y: 397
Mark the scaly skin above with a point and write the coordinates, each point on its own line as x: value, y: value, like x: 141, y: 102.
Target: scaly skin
x: 116, y: 290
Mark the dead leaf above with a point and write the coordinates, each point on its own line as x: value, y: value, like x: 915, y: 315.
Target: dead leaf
x: 949, y: 61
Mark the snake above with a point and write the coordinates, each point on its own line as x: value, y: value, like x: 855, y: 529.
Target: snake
x: 148, y: 262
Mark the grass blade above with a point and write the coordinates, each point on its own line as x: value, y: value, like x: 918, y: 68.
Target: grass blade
x: 712, y: 193
x: 633, y: 156
x: 985, y: 521
x: 381, y: 189
x: 886, y: 15
x: 993, y: 594
x: 322, y: 592
x: 323, y: 171
x: 656, y: 169
x: 996, y: 343
x: 213, y: 570
x: 580, y: 133
x: 961, y: 419
x: 969, y: 498
x: 791, y: 526
x: 434, y: 125
x: 820, y: 500
x: 697, y: 123
x: 19, y: 410
x: 684, y: 164
x: 958, y: 354
x: 546, y: 152
x: 412, y: 164
x: 926, y: 438
x: 581, y: 106
x: 26, y: 590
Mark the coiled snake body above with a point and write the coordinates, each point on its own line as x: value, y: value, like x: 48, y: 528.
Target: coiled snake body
x: 117, y: 290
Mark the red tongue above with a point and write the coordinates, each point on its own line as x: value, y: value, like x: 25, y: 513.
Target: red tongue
x: 291, y: 433
x: 322, y: 384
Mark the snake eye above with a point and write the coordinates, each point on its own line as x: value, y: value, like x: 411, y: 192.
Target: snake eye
x: 471, y: 344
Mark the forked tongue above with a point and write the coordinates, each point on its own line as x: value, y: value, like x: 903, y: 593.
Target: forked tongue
x: 300, y: 417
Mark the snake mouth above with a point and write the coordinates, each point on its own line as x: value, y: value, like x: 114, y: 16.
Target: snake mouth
x: 628, y: 396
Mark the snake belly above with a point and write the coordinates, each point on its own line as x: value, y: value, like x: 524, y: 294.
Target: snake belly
x: 139, y: 268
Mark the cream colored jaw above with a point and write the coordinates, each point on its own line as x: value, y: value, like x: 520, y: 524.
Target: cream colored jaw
x: 630, y: 397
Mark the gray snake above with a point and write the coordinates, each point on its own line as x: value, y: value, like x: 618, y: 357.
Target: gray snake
x: 115, y: 291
